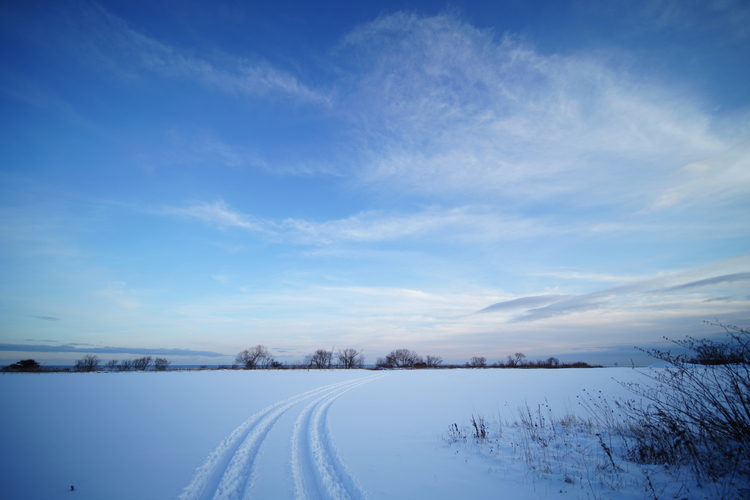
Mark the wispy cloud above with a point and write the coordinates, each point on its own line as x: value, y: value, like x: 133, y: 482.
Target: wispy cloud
x: 204, y: 148
x: 221, y: 278
x: 719, y: 299
x: 207, y: 150
x: 458, y: 225
x: 443, y: 107
x: 218, y: 214
x: 105, y: 350
x: 575, y: 275
x: 38, y: 95
x: 115, y: 45
x: 445, y: 320
x: 727, y: 278
x: 463, y: 224
x: 693, y: 15
x: 48, y: 318
x: 523, y: 303
x: 642, y: 295
x: 118, y: 293
x: 721, y: 179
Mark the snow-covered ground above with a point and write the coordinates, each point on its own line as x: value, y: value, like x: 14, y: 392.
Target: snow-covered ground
x: 306, y: 435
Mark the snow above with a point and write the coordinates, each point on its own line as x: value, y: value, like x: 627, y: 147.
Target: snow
x: 300, y: 434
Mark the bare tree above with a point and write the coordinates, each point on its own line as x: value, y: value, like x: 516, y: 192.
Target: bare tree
x: 517, y: 359
x: 255, y: 357
x: 552, y: 362
x: 161, y: 364
x: 88, y: 363
x: 125, y: 365
x: 433, y: 361
x: 320, y: 359
x: 268, y: 361
x: 111, y: 365
x: 478, y: 362
x: 403, y: 358
x: 141, y: 363
x: 351, y: 358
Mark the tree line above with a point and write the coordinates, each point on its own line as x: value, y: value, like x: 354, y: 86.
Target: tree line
x: 259, y: 357
x: 92, y: 363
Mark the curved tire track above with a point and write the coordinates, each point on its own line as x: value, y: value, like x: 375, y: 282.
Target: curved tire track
x: 226, y: 474
x: 318, y: 471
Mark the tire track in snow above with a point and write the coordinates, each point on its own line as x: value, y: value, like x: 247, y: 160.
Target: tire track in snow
x: 224, y: 474
x: 317, y: 469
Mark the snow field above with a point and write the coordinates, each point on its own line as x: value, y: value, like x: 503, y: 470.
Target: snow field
x: 337, y: 434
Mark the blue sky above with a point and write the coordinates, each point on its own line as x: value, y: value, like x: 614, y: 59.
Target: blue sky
x: 190, y: 179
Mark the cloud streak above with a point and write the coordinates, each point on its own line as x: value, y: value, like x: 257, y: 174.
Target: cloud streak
x: 523, y: 303
x: 219, y: 214
x: 464, y: 224
x: 115, y: 45
x: 106, y: 350
x: 727, y: 278
x: 630, y: 296
x: 721, y: 178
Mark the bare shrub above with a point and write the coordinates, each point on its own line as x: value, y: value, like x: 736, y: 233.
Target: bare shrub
x: 142, y: 363
x: 477, y: 362
x: 480, y: 428
x: 255, y: 357
x: 161, y: 364
x: 696, y: 413
x: 454, y: 434
x: 551, y: 362
x: 111, y: 365
x: 433, y: 361
x: 88, y: 363
x: 383, y: 363
x: 351, y: 358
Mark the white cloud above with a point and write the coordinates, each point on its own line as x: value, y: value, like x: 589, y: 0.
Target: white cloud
x: 443, y: 107
x: 459, y: 225
x: 718, y: 179
x: 440, y: 320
